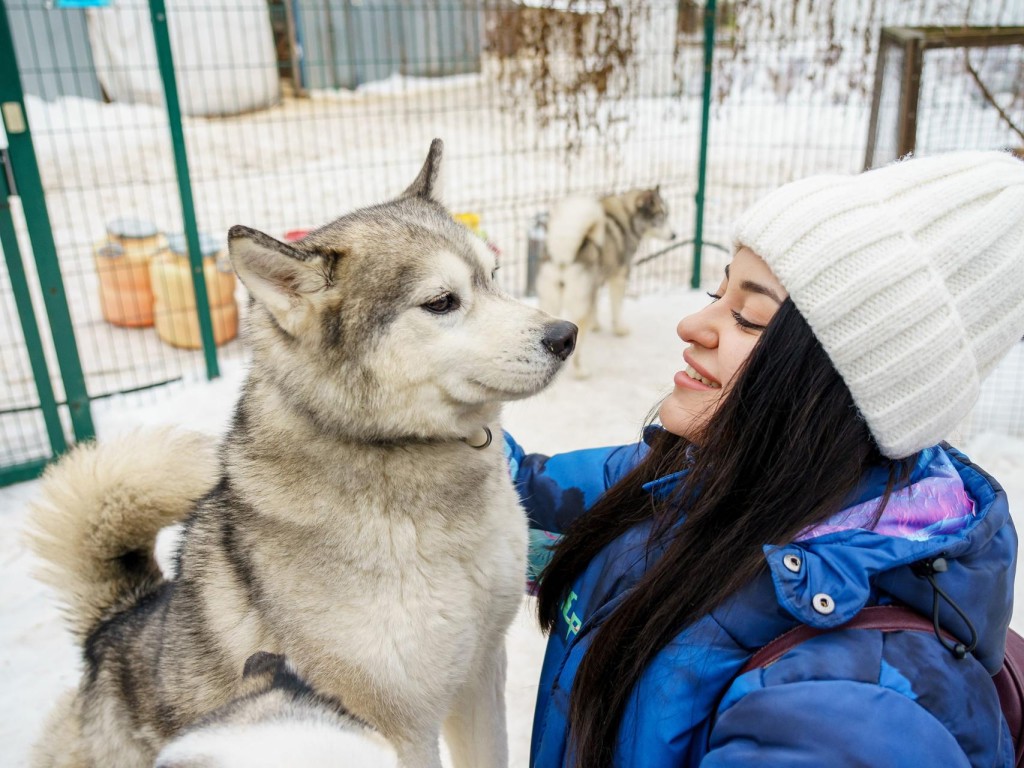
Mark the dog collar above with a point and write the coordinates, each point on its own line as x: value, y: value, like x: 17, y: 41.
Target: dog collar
x: 480, y: 440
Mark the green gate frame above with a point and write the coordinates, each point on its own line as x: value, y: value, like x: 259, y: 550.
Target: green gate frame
x: 33, y: 339
x: 24, y: 177
x: 20, y: 172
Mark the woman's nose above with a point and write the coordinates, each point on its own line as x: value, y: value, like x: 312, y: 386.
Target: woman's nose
x: 699, y: 329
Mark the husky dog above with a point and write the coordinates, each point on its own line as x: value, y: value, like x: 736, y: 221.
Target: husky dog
x: 278, y: 720
x: 363, y: 524
x: 589, y: 243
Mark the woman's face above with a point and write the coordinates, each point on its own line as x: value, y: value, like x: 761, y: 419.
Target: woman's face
x: 719, y: 338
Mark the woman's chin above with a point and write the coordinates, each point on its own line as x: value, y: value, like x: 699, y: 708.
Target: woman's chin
x: 686, y: 412
x: 677, y: 418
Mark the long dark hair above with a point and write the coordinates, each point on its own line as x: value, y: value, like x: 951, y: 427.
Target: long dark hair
x: 785, y: 450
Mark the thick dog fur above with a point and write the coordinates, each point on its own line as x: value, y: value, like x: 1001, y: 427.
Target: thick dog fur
x: 591, y: 242
x: 354, y: 528
x: 278, y: 721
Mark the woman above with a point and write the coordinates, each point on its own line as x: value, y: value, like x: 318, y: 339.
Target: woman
x: 798, y: 477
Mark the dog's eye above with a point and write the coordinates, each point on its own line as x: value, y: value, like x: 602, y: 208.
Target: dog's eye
x: 446, y: 302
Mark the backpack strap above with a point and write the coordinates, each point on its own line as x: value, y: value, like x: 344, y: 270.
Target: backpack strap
x: 1009, y: 680
x: 887, y: 618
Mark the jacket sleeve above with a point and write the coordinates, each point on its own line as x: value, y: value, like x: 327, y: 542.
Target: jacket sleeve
x: 830, y: 722
x: 555, y: 490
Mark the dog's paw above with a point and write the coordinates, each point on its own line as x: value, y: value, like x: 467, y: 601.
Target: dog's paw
x: 622, y: 330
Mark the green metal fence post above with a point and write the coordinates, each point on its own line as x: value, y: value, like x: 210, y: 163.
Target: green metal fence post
x: 165, y: 59
x: 33, y: 341
x: 37, y: 219
x: 705, y: 121
x: 27, y: 315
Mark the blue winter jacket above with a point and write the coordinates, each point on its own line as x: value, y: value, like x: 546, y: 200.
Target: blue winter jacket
x: 847, y: 698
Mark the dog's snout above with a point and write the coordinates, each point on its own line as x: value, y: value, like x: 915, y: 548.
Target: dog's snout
x: 672, y: 235
x: 560, y: 339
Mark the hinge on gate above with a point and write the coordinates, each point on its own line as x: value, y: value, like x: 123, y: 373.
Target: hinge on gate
x: 10, y: 187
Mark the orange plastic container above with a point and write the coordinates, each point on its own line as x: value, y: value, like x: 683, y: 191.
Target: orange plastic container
x: 176, y: 319
x: 122, y: 264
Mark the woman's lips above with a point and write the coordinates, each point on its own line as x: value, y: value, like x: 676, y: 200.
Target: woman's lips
x: 686, y: 381
x: 694, y: 376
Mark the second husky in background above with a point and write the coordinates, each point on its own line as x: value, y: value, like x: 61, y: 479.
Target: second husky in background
x: 591, y: 242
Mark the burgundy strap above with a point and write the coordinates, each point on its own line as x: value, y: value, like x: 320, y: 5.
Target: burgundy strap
x: 888, y: 618
x: 1010, y: 684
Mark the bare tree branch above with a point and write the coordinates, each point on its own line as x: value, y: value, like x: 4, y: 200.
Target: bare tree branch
x: 990, y: 98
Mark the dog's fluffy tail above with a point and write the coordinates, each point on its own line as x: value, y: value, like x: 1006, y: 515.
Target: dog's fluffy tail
x: 101, y: 508
x: 570, y: 222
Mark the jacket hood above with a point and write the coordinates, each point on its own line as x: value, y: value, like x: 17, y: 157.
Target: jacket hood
x: 827, y: 576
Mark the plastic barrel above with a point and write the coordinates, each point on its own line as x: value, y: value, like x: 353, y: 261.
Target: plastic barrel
x: 176, y: 319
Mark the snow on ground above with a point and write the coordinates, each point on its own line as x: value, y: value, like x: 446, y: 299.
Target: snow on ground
x: 37, y: 659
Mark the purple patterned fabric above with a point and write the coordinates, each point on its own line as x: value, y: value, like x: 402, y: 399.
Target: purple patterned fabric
x: 935, y: 505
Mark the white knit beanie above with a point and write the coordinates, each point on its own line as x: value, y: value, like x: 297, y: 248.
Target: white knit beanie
x: 912, y: 278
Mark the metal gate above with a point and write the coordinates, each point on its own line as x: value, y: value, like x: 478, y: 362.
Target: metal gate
x: 47, y: 391
x: 39, y: 412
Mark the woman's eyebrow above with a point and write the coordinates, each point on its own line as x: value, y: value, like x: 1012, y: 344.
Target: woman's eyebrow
x: 752, y: 287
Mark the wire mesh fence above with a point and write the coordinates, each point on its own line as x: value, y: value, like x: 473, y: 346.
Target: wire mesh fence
x: 794, y: 84
x: 294, y: 112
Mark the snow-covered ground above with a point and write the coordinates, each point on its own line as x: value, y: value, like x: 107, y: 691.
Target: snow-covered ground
x: 38, y: 660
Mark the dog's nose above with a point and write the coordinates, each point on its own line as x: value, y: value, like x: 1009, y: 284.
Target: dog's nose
x: 672, y: 236
x: 560, y: 339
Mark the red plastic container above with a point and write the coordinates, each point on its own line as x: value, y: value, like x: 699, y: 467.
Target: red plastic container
x: 295, y: 234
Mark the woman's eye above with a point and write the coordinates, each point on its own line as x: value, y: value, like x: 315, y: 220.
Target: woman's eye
x: 443, y: 304
x: 495, y: 271
x: 714, y: 296
x: 742, y: 322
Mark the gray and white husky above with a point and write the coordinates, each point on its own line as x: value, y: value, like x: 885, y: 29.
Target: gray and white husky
x: 591, y: 242
x: 361, y: 522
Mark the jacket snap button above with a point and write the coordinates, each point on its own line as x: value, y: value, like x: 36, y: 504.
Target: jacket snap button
x: 823, y: 603
x: 792, y: 562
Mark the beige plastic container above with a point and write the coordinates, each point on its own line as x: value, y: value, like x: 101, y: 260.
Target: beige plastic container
x: 176, y: 319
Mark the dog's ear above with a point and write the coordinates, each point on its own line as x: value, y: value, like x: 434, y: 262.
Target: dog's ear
x: 278, y: 276
x: 428, y: 184
x: 261, y: 671
x: 646, y: 200
x: 263, y: 663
